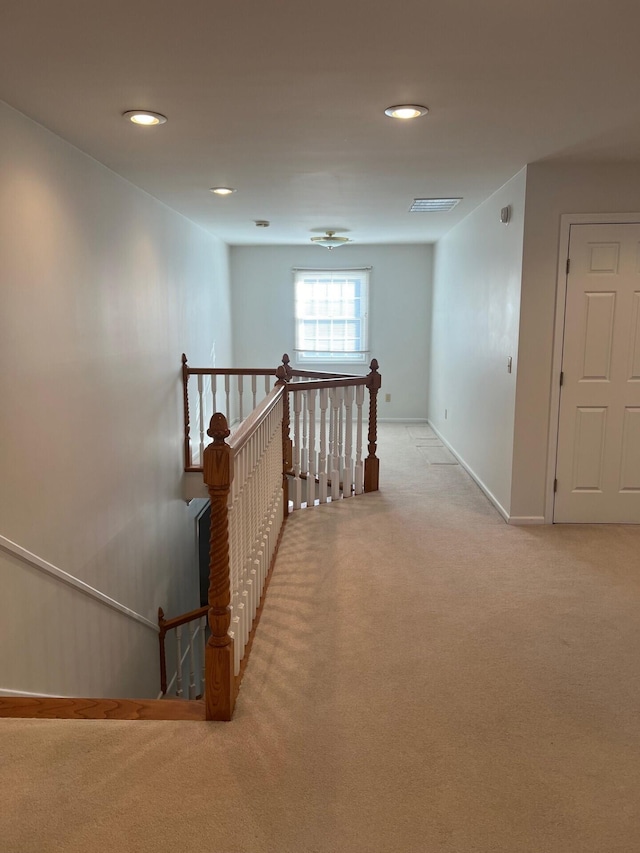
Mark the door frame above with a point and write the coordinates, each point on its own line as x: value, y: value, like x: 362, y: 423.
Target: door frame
x: 566, y: 221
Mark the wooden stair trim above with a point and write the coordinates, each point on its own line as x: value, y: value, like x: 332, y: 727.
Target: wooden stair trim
x: 47, y: 708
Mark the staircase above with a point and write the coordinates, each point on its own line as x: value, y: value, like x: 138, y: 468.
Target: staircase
x: 272, y: 451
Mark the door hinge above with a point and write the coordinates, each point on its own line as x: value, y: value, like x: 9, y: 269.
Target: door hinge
x: 555, y: 485
x: 568, y: 265
x: 561, y: 378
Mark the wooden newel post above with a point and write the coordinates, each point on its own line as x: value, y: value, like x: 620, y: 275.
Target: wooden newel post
x: 372, y: 463
x: 287, y: 444
x: 218, y: 474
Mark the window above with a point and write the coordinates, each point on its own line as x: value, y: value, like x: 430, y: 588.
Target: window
x: 331, y: 315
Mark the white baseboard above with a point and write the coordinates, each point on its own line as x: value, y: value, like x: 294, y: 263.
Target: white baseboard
x: 402, y: 421
x: 524, y: 520
x: 516, y: 520
x: 473, y: 476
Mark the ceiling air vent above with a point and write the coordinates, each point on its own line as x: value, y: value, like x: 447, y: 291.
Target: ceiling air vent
x: 433, y: 205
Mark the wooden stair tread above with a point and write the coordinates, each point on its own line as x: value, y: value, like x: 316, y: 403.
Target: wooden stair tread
x: 46, y: 708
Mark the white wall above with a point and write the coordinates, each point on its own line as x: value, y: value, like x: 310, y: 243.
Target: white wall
x: 552, y: 189
x: 400, y: 292
x: 475, y: 309
x: 102, y: 289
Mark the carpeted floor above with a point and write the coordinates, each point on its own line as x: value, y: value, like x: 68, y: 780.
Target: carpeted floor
x: 425, y: 679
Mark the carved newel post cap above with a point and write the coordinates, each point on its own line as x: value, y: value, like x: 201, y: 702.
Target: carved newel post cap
x: 218, y: 428
x: 184, y: 358
x: 287, y: 368
x: 281, y: 373
x: 374, y: 380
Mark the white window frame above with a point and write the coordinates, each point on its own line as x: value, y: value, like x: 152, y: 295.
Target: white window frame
x: 360, y: 317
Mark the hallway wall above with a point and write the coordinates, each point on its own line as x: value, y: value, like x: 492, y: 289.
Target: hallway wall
x: 399, y: 308
x: 476, y: 299
x: 102, y: 289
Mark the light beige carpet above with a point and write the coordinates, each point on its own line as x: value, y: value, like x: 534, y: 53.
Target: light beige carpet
x: 425, y: 679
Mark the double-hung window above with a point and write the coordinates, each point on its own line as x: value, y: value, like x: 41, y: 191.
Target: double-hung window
x: 332, y: 312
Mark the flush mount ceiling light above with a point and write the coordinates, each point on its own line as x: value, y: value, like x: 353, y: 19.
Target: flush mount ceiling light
x: 405, y: 111
x: 145, y: 117
x: 330, y: 241
x: 222, y: 190
x: 433, y: 205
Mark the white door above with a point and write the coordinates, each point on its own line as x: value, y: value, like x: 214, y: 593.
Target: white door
x: 598, y: 463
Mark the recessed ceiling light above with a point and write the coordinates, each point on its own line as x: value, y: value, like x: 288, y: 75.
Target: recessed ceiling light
x: 222, y: 190
x: 145, y: 117
x: 433, y: 205
x: 406, y: 111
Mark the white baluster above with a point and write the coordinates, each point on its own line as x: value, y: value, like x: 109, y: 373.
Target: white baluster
x: 246, y: 625
x: 240, y: 397
x: 227, y: 393
x: 254, y: 388
x: 312, y: 467
x: 254, y: 580
x: 359, y: 474
x: 179, y: 661
x: 235, y: 632
x: 340, y: 465
x: 322, y: 460
x: 192, y: 661
x: 304, y: 454
x: 297, y: 485
x: 347, y: 474
x: 201, y: 416
x: 214, y: 391
x: 334, y: 470
x: 267, y: 384
x: 250, y: 593
x: 203, y: 646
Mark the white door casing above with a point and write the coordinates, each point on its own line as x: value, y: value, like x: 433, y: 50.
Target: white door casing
x: 598, y: 450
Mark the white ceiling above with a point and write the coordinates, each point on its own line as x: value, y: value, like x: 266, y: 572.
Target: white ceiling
x: 285, y: 101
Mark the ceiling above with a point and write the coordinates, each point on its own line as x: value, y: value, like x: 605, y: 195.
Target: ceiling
x: 285, y: 101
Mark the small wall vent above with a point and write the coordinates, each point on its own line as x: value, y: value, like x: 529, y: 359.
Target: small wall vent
x: 433, y: 205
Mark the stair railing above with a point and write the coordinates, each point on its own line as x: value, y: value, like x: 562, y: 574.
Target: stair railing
x: 234, y: 392
x: 308, y: 429
x: 244, y: 478
x: 189, y: 644
x: 327, y: 425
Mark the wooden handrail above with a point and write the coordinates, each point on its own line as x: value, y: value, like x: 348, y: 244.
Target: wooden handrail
x: 321, y: 374
x: 230, y: 371
x: 168, y: 624
x: 340, y: 382
x: 165, y: 625
x: 257, y: 416
x: 233, y: 371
